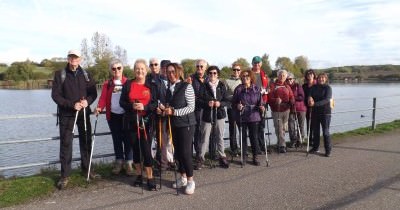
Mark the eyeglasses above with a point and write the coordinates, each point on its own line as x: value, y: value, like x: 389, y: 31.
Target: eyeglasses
x: 199, y: 66
x: 153, y: 64
x: 289, y: 79
x: 245, y: 76
x: 212, y: 73
x: 115, y: 68
x: 236, y: 69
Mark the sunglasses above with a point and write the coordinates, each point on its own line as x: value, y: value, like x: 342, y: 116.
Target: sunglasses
x: 236, y: 69
x: 289, y: 79
x: 116, y: 68
x: 212, y: 73
x: 153, y: 64
x: 246, y: 76
x: 199, y: 66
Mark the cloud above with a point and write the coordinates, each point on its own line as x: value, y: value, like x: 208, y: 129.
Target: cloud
x: 162, y: 26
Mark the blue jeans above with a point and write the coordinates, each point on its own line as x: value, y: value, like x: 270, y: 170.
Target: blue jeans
x: 324, y: 120
x: 122, y: 145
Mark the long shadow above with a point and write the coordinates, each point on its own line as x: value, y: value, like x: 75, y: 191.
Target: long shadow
x: 361, y: 194
x: 371, y: 150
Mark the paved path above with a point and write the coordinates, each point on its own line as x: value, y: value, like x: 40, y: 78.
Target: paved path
x: 361, y: 174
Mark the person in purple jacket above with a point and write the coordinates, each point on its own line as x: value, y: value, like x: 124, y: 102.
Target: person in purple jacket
x: 297, y: 112
x: 247, y: 100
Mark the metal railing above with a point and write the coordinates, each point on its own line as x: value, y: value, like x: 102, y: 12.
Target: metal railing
x: 373, y: 122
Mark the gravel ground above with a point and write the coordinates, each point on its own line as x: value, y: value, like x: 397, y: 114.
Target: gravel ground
x: 362, y: 173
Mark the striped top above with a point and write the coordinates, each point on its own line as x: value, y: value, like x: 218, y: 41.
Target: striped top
x: 190, y: 100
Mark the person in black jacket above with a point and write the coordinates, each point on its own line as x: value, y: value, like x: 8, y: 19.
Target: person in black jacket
x: 73, y: 91
x: 180, y: 111
x: 213, y: 99
x: 320, y: 102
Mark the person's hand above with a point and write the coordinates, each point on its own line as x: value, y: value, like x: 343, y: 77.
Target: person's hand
x: 138, y: 106
x: 78, y: 106
x: 84, y: 103
x: 217, y: 104
x: 97, y: 111
x: 240, y: 107
x: 278, y: 101
x: 169, y: 111
x: 189, y: 80
x: 211, y: 104
x: 262, y: 108
x: 310, y: 101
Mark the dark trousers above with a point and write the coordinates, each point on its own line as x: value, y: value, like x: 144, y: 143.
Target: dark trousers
x: 232, y: 131
x: 324, y: 120
x: 183, y: 148
x: 66, y: 142
x: 197, y: 134
x: 140, y: 146
x: 122, y: 145
x: 252, y: 129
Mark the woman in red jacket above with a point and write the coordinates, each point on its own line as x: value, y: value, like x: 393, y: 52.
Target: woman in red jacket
x: 109, y: 99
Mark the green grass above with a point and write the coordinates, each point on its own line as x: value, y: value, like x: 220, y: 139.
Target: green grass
x: 18, y: 190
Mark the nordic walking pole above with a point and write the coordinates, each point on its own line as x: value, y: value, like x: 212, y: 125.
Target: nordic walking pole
x: 265, y: 142
x: 76, y: 118
x: 140, y: 147
x: 298, y: 125
x: 309, y: 130
x: 241, y: 136
x: 91, y: 149
x: 173, y: 151
x: 160, y: 144
x: 269, y: 133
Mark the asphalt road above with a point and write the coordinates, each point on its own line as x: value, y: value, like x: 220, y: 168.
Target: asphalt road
x: 363, y: 173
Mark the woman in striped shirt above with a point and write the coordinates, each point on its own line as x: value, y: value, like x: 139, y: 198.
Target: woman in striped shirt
x: 181, y: 122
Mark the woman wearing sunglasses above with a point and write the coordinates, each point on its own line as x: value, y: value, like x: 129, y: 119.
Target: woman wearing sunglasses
x: 247, y: 100
x: 109, y: 99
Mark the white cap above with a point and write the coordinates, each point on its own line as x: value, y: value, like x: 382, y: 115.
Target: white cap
x: 74, y: 52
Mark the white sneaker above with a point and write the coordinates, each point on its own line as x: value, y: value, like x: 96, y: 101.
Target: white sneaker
x: 182, y: 182
x: 190, y: 187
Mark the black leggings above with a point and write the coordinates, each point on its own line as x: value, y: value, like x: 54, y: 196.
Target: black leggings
x: 145, y: 147
x: 182, y: 138
x: 252, y: 127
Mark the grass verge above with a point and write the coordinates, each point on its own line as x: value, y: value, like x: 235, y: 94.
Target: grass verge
x: 17, y: 190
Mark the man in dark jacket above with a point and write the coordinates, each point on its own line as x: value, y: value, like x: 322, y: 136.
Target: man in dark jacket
x: 73, y: 91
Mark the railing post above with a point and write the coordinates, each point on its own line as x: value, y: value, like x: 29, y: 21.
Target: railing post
x: 373, y: 113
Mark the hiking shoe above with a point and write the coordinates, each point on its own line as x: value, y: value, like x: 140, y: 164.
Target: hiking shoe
x: 151, y: 185
x: 328, y: 154
x: 181, y: 182
x: 117, y: 167
x: 313, y: 151
x: 62, y: 183
x: 256, y: 162
x: 190, y: 187
x: 282, y: 149
x: 199, y: 165
x: 138, y: 181
x: 129, y: 169
x: 224, y: 162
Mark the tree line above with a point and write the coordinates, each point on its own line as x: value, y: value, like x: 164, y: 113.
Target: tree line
x: 98, y: 53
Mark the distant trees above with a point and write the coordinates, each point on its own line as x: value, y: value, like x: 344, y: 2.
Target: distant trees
x: 19, y: 71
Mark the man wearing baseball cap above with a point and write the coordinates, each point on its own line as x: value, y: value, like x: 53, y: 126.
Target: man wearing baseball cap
x: 73, y: 91
x: 262, y: 82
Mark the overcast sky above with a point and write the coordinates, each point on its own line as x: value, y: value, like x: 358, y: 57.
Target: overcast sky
x: 328, y: 32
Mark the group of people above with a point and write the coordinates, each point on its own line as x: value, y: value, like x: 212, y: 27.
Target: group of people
x: 160, y: 105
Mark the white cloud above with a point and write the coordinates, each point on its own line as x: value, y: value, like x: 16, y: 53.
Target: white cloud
x: 327, y: 32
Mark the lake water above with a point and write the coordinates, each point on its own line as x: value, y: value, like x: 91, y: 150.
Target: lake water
x: 348, y: 97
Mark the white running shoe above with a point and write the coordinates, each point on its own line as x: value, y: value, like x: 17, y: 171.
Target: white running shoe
x: 182, y: 182
x: 190, y: 187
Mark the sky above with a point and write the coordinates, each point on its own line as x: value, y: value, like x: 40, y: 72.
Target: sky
x: 329, y: 33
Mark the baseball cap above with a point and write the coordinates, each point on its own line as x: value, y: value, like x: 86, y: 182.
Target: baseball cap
x: 74, y: 52
x: 164, y: 63
x: 256, y: 59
